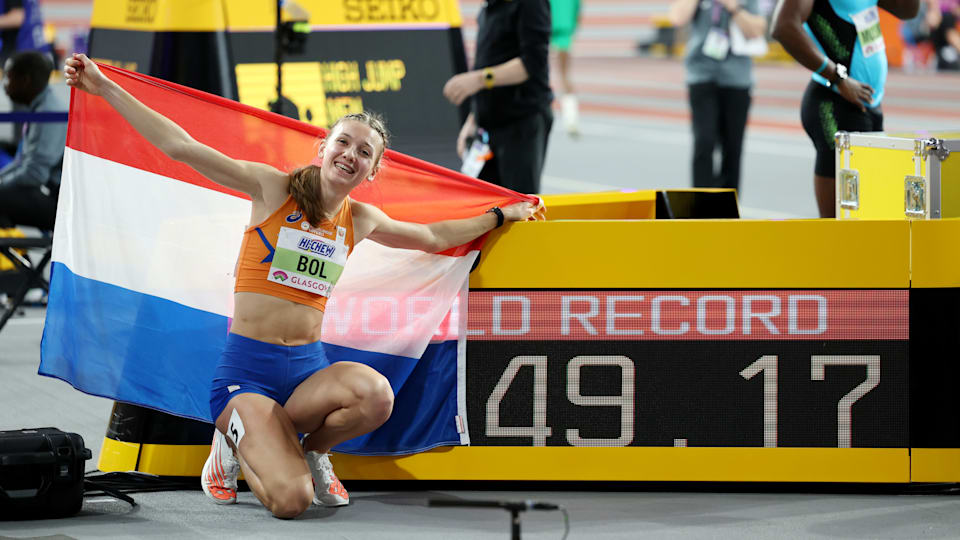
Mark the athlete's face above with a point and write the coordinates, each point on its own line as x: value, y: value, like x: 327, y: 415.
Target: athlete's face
x: 350, y: 153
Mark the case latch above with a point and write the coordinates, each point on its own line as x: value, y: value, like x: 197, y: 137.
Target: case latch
x: 849, y: 189
x: 915, y: 196
x: 934, y: 145
x: 842, y: 140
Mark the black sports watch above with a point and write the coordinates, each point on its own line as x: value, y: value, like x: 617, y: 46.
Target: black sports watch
x: 840, y: 73
x: 499, y: 213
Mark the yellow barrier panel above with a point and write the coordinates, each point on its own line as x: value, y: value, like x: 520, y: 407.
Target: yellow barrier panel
x: 696, y: 253
x: 934, y: 263
x: 935, y: 464
x: 246, y: 15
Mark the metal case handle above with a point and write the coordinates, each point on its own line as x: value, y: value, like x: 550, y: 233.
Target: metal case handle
x: 915, y: 196
x: 849, y: 189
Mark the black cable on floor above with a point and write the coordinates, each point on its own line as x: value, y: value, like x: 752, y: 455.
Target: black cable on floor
x: 138, y: 482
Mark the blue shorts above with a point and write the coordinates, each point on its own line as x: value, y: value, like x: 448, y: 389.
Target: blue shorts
x: 275, y: 371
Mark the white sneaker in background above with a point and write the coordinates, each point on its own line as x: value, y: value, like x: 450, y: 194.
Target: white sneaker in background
x: 570, y: 111
x: 327, y: 489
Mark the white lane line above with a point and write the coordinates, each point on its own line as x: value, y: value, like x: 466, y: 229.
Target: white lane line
x: 25, y: 321
x: 559, y: 184
x: 798, y: 147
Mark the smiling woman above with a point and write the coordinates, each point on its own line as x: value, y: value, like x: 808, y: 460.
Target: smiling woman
x: 273, y: 380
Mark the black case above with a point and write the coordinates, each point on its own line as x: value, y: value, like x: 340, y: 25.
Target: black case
x: 41, y: 473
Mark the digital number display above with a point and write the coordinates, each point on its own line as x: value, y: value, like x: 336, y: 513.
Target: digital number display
x: 688, y: 368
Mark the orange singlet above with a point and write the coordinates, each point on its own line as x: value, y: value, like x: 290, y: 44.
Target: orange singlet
x: 287, y: 258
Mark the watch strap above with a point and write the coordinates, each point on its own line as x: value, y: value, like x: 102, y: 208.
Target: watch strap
x: 499, y: 213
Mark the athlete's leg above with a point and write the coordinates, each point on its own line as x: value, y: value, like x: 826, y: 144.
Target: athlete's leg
x: 569, y: 106
x: 339, y: 403
x: 563, y: 63
x: 824, y: 187
x: 818, y: 114
x: 269, y: 452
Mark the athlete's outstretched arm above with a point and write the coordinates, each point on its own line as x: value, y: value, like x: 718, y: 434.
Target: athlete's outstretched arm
x: 371, y: 222
x: 902, y: 9
x: 246, y: 176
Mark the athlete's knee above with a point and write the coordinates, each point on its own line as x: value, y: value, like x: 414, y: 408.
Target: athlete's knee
x: 290, y: 502
x: 379, y: 401
x: 373, y: 394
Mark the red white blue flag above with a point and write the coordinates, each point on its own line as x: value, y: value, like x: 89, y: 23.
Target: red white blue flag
x: 144, y: 255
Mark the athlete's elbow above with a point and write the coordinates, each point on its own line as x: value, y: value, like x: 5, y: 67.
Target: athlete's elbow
x: 778, y: 31
x: 176, y: 149
x: 434, y: 245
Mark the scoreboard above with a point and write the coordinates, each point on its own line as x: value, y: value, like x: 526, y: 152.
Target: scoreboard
x: 742, y: 368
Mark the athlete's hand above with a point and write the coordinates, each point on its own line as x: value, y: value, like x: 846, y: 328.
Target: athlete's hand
x: 467, y: 130
x: 525, y: 211
x: 729, y: 5
x: 82, y: 74
x: 855, y: 92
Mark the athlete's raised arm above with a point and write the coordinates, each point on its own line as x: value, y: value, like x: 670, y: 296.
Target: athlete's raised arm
x: 246, y: 176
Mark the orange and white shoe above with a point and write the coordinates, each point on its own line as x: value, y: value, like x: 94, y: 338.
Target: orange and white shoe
x: 220, y: 472
x: 327, y: 489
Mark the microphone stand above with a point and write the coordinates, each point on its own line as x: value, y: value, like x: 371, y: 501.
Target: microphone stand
x: 514, y: 507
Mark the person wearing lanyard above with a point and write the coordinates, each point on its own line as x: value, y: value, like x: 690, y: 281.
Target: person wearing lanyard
x: 841, y: 43
x: 719, y: 80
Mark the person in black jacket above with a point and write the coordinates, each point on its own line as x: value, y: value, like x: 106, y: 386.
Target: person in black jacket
x: 509, y: 91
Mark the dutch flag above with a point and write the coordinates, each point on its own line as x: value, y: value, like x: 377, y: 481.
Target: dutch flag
x: 144, y: 254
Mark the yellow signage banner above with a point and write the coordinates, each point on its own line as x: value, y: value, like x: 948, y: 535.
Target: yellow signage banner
x: 246, y: 15
x: 216, y: 15
x: 159, y: 15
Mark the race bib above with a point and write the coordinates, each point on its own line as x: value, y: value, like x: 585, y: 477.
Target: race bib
x: 307, y: 261
x: 868, y: 31
x: 717, y: 44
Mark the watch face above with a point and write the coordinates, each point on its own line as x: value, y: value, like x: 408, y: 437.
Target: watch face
x: 841, y: 71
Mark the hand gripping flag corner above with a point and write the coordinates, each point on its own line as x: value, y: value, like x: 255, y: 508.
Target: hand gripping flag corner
x: 144, y: 251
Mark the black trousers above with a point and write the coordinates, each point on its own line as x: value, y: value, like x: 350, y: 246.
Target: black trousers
x: 519, y: 151
x: 719, y: 117
x: 30, y: 206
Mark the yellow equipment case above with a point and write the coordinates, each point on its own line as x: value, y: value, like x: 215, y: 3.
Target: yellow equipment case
x: 913, y: 175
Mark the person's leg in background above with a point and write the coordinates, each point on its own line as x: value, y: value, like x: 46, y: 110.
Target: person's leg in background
x: 28, y: 206
x: 564, y: 18
x: 519, y: 152
x: 705, y: 116
x: 735, y: 108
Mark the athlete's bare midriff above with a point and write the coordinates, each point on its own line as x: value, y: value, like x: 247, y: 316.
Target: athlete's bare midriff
x: 275, y: 320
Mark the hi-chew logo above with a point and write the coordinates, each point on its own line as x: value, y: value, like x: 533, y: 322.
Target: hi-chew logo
x: 316, y: 246
x: 294, y: 217
x: 280, y: 275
